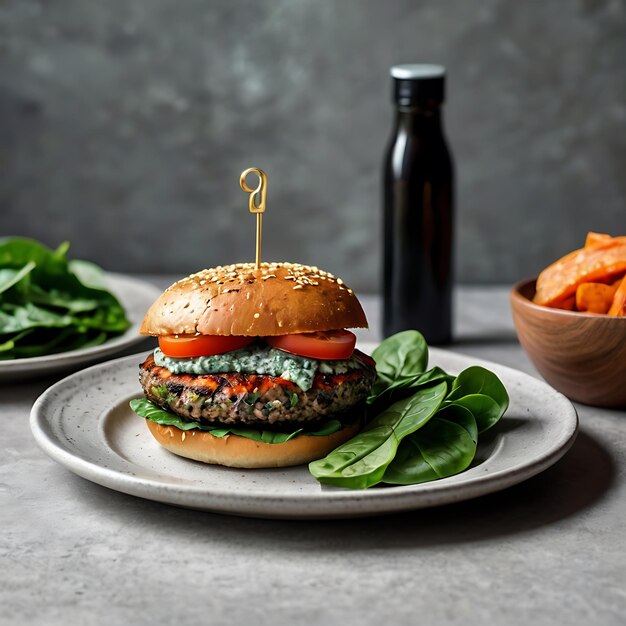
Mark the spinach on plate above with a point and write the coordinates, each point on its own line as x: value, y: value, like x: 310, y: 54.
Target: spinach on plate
x: 422, y: 425
x: 51, y: 304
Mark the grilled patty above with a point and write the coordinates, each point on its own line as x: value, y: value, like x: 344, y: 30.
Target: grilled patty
x: 257, y: 400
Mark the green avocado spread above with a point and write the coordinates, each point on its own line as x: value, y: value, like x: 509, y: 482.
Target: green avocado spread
x: 258, y: 359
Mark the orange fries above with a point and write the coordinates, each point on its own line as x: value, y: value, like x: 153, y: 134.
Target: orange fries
x: 619, y: 301
x: 591, y: 279
x: 594, y: 239
x: 595, y: 297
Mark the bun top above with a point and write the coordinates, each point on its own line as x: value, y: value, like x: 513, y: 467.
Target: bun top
x: 276, y: 299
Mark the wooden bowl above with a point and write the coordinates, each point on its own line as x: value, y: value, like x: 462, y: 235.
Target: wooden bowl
x: 582, y: 355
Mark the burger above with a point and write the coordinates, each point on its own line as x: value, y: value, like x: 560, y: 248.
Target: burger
x: 255, y: 366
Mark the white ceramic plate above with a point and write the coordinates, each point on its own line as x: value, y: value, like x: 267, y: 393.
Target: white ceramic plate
x: 136, y: 297
x: 84, y: 423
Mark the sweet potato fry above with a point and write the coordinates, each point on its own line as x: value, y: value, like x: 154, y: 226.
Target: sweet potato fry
x: 594, y: 239
x: 618, y: 308
x: 569, y: 304
x: 595, y: 297
x: 597, y: 263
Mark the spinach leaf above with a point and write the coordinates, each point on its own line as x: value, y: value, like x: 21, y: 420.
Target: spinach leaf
x: 402, y: 355
x: 24, y: 349
x: 19, y: 317
x: 362, y: 461
x: 89, y: 274
x: 10, y: 277
x: 56, y: 299
x: 482, y: 392
x: 144, y: 408
x: 401, y: 361
x: 18, y: 251
x: 404, y: 387
x: 9, y: 344
x: 49, y: 304
x: 445, y: 446
x: 412, y: 435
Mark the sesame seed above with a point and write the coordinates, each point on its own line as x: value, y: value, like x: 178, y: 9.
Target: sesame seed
x: 256, y: 315
x: 298, y: 286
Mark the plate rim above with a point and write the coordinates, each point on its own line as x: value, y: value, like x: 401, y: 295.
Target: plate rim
x: 385, y: 500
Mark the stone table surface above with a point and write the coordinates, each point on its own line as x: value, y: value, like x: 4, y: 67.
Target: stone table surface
x: 551, y: 550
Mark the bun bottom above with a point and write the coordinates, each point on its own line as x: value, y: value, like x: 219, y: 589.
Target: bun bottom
x: 236, y: 451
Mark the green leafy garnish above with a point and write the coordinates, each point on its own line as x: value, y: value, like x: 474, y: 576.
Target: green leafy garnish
x: 480, y: 391
x: 421, y: 426
x: 362, y: 461
x: 443, y: 447
x: 49, y: 304
x: 144, y: 408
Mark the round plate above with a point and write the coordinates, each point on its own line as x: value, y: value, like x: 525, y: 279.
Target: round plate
x: 84, y: 423
x: 136, y: 297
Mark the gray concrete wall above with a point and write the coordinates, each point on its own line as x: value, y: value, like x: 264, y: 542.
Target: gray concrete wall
x: 124, y: 127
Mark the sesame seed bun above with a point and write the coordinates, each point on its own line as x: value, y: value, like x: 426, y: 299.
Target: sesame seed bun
x: 236, y: 451
x: 276, y: 299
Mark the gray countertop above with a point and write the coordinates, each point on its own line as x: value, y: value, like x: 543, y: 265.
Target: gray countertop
x: 551, y: 550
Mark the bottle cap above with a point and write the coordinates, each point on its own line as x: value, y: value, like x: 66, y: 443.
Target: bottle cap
x: 418, y: 85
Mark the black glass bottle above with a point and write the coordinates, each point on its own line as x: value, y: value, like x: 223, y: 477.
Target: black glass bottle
x: 418, y: 208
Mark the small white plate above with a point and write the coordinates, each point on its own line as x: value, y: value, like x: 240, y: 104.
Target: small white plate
x: 84, y: 423
x: 136, y: 297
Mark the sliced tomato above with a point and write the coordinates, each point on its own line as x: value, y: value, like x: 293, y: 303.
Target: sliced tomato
x: 326, y: 345
x: 184, y: 346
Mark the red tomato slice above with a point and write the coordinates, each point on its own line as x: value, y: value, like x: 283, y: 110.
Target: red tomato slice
x: 326, y: 345
x: 184, y: 346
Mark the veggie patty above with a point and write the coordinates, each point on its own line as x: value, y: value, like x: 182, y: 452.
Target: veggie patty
x: 257, y: 400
